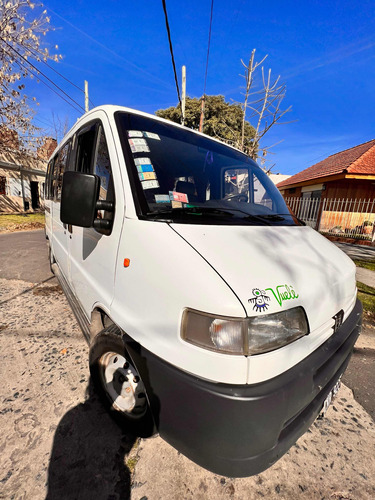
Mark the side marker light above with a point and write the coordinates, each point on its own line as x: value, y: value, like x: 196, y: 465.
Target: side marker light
x: 126, y: 262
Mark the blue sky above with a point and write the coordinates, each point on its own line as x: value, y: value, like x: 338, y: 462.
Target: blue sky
x: 323, y: 50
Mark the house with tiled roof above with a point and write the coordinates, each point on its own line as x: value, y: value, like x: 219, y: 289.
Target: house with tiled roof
x: 336, y: 195
x: 347, y: 174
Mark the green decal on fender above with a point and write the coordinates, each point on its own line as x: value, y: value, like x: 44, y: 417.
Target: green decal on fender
x: 284, y: 292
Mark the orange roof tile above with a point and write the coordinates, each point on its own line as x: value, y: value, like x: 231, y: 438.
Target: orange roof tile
x: 357, y: 160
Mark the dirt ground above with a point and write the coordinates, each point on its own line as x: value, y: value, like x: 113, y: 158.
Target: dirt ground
x: 58, y: 443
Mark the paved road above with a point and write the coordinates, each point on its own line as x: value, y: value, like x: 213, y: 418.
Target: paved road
x: 24, y: 256
x: 360, y: 377
x: 358, y: 252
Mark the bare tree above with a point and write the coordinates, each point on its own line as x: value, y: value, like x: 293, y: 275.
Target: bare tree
x: 20, y: 48
x: 60, y: 127
x: 264, y: 104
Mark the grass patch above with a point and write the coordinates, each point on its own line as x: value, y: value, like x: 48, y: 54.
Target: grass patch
x: 20, y: 222
x: 131, y: 463
x: 366, y: 264
x: 366, y: 295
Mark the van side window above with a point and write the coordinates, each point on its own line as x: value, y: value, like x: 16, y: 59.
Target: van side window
x: 102, y: 168
x: 261, y: 195
x: 85, y: 150
x: 48, y: 186
x: 59, y: 169
x: 54, y: 174
x: 236, y: 183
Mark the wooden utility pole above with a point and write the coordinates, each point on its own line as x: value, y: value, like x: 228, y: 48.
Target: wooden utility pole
x: 86, y: 96
x: 183, y: 95
x: 202, y: 114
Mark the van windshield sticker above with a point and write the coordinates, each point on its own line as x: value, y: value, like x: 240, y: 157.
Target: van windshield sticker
x: 284, y: 292
x: 162, y: 198
x: 138, y: 146
x: 142, y: 161
x: 175, y: 196
x: 259, y: 300
x: 150, y: 184
x: 147, y: 176
x: 145, y: 168
x: 151, y: 135
x: 135, y: 133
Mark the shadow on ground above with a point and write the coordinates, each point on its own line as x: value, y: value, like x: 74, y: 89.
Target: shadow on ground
x: 88, y: 455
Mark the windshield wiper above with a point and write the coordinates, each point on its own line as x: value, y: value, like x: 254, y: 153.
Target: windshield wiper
x: 192, y: 211
x: 227, y: 213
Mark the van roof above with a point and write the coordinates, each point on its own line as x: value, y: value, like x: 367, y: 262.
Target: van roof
x: 111, y: 109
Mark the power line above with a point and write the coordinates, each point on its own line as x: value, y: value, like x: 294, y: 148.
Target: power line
x: 57, y: 72
x: 119, y: 56
x: 208, y: 47
x: 49, y: 87
x: 171, y: 50
x: 23, y: 65
x: 28, y: 63
x: 206, y: 71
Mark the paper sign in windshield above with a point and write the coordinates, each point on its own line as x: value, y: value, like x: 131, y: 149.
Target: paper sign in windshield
x: 150, y: 184
x: 176, y: 196
x: 162, y: 198
x: 142, y: 161
x: 143, y: 165
x: 135, y: 133
x: 151, y: 135
x: 138, y: 146
x: 145, y: 168
x: 147, y: 176
x: 176, y: 204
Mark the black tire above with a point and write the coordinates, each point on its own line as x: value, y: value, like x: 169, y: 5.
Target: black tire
x: 118, y: 384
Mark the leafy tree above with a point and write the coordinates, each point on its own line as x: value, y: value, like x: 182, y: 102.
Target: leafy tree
x: 20, y: 48
x: 222, y: 120
x: 232, y: 123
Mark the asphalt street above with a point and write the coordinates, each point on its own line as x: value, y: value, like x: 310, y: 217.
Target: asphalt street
x: 24, y: 256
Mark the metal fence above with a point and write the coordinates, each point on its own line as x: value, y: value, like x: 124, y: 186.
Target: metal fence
x: 337, y: 217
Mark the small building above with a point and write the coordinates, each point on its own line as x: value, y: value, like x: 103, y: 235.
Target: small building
x: 348, y: 174
x: 22, y: 176
x: 336, y: 195
x: 277, y: 178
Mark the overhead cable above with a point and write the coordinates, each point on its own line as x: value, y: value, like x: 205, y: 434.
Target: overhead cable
x: 171, y: 50
x: 28, y: 63
x: 201, y: 120
x: 208, y: 47
x: 57, y: 72
x: 49, y: 87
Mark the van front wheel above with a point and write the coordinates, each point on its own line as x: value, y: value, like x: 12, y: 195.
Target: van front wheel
x: 118, y: 382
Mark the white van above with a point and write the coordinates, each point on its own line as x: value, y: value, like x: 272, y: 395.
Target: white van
x: 214, y: 316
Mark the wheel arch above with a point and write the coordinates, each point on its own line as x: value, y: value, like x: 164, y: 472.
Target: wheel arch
x: 100, y: 321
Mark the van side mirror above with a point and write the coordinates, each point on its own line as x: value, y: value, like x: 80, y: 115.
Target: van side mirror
x: 79, y: 195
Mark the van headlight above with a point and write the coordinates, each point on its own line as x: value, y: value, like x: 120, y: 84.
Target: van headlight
x: 244, y: 336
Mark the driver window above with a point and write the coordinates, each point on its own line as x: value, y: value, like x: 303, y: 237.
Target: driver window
x: 261, y: 196
x: 236, y: 182
x: 102, y: 168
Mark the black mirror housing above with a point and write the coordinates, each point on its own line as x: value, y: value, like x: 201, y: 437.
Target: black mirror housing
x: 79, y: 195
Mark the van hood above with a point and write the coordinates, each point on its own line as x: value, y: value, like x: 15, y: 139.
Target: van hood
x: 272, y: 269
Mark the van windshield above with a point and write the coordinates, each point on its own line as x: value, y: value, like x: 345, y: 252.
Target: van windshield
x: 180, y: 176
